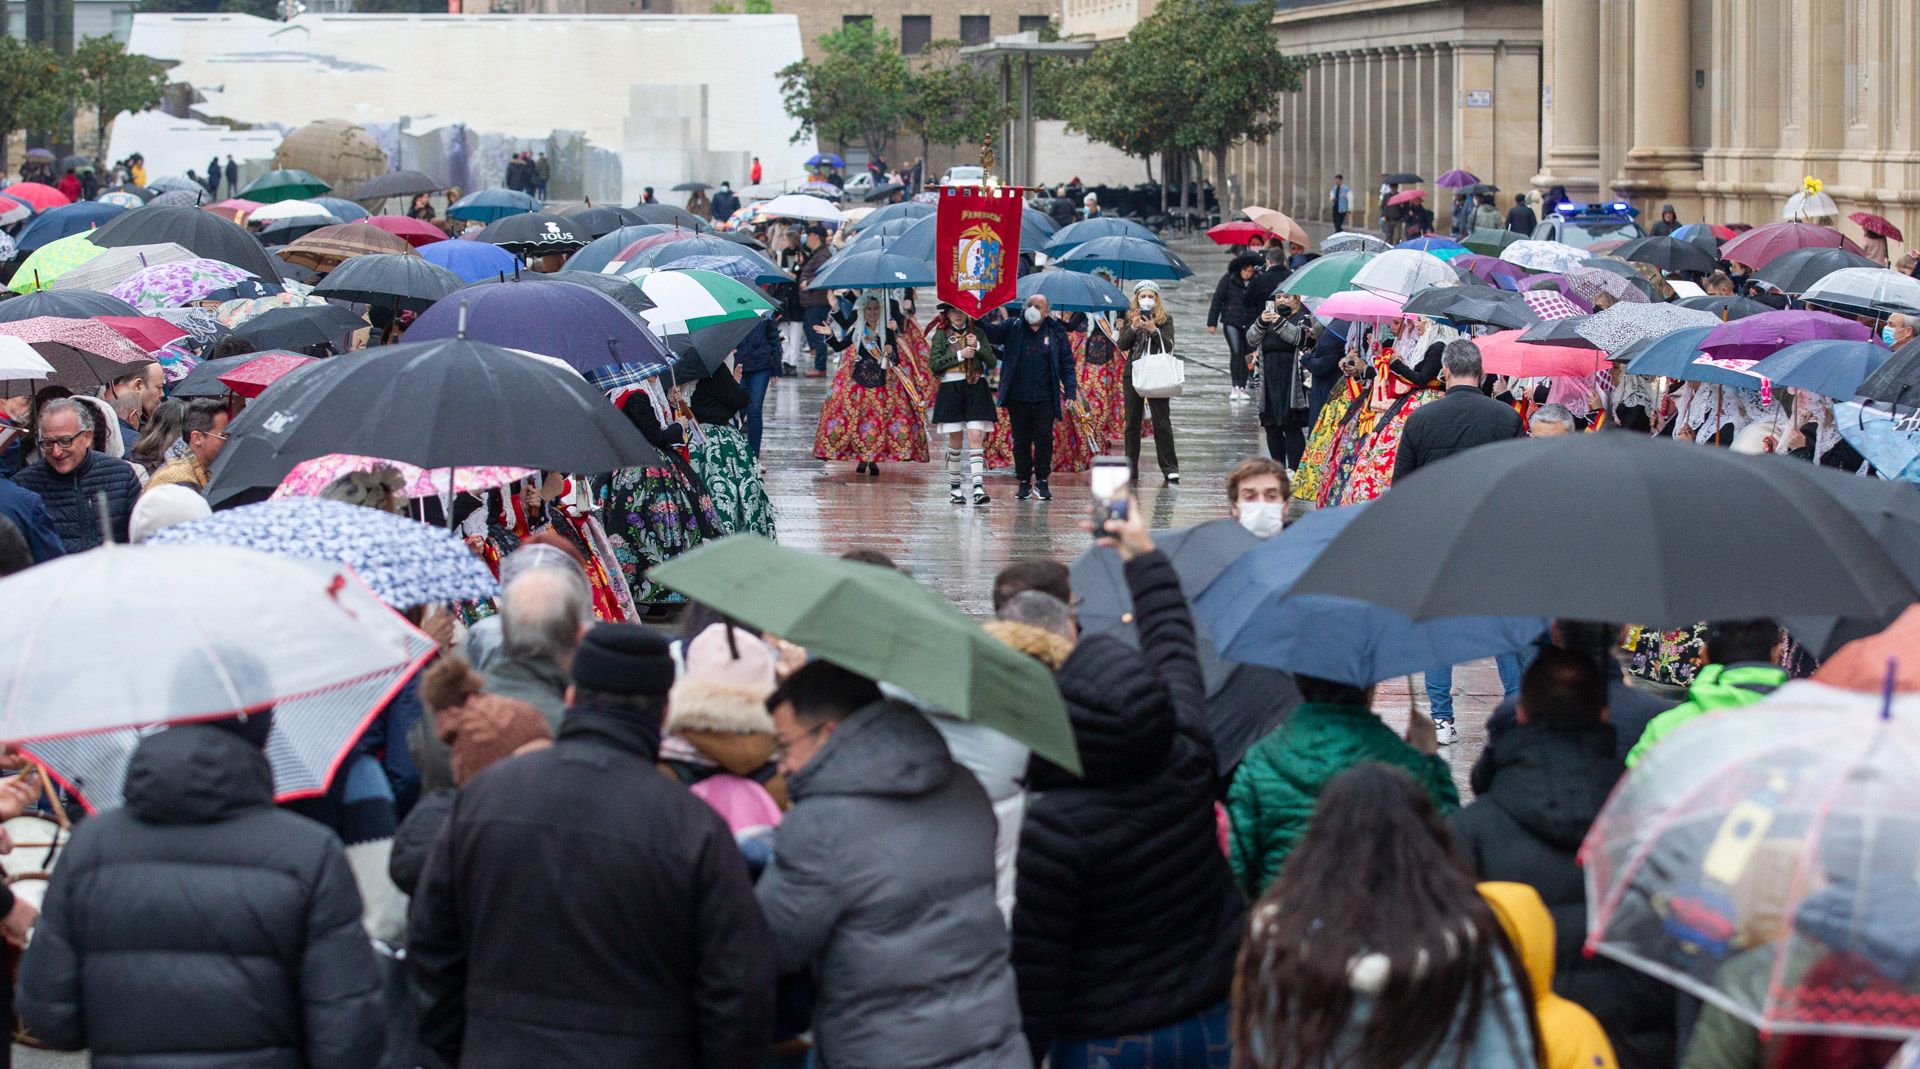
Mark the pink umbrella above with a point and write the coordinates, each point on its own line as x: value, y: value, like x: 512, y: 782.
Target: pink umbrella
x: 37, y: 195
x: 1505, y: 354
x: 82, y: 352
x: 1551, y: 304
x: 1361, y: 305
x: 1759, y: 336
x: 1408, y: 197
x: 253, y: 377
x: 1760, y: 246
x: 148, y: 332
x: 415, y: 232
x: 235, y: 209
x: 308, y: 478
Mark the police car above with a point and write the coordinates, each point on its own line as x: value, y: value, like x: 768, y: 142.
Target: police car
x: 1580, y: 225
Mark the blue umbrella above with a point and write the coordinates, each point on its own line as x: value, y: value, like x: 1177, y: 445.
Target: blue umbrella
x: 887, y: 213
x: 490, y: 204
x: 1254, y: 619
x: 1430, y: 244
x: 1672, y: 355
x: 872, y: 270
x: 65, y: 221
x: 920, y: 240
x: 342, y: 209
x: 474, y: 261
x: 602, y: 250
x: 580, y: 326
x: 1073, y: 291
x: 891, y: 228
x: 668, y: 253
x: 1128, y: 258
x: 1102, y: 226
x: 1828, y: 368
x: 1037, y: 218
x: 740, y: 267
x: 825, y: 159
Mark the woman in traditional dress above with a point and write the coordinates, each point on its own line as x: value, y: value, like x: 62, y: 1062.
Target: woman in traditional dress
x: 1404, y: 379
x: 654, y: 514
x: 722, y: 457
x: 872, y: 412
x: 963, y: 410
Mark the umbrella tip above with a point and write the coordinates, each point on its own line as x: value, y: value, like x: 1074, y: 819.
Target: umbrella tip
x: 460, y: 327
x: 1886, y: 689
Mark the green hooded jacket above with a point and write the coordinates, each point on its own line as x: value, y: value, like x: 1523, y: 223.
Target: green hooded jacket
x: 1717, y: 687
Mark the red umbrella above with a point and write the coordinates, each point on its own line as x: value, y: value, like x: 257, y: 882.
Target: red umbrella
x: 1408, y: 197
x: 1504, y: 354
x: 1760, y: 246
x: 1874, y: 224
x: 254, y: 376
x: 415, y: 232
x: 1238, y: 233
x: 233, y: 209
x: 37, y: 195
x: 148, y: 332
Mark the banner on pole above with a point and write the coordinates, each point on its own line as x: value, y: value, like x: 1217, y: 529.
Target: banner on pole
x: 977, y: 248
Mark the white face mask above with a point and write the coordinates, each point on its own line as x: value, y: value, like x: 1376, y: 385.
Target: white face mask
x: 1263, y: 518
x: 1146, y: 304
x: 1034, y: 315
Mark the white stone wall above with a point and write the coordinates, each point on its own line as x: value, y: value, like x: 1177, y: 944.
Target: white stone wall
x: 1059, y: 156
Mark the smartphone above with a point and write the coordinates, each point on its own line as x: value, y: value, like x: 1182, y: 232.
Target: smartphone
x: 1108, y: 484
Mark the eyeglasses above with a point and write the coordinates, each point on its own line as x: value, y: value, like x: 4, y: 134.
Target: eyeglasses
x: 782, y: 744
x: 48, y: 445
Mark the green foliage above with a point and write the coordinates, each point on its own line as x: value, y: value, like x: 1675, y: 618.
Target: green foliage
x: 855, y: 92
x: 950, y: 101
x: 36, y: 89
x: 111, y: 81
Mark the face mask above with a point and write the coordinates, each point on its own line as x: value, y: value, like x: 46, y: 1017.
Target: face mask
x: 1886, y: 336
x: 1146, y: 304
x: 1263, y: 518
x: 1033, y: 315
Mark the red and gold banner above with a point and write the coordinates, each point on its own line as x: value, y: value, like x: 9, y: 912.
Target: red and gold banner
x: 977, y: 250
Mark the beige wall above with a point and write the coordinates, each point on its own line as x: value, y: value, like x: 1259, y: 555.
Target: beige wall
x: 1102, y: 20
x: 819, y: 17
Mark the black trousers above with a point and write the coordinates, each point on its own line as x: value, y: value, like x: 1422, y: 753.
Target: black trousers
x: 1236, y: 354
x: 1339, y: 221
x: 1287, y: 445
x: 1136, y: 409
x: 1032, y: 426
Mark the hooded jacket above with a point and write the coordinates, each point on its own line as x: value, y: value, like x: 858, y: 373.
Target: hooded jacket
x: 882, y: 885
x: 1569, y: 1035
x: 1717, y: 687
x: 1126, y: 917
x: 201, y: 926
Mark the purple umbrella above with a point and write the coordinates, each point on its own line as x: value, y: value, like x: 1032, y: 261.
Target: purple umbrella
x: 580, y: 326
x: 1457, y: 179
x: 1489, y: 269
x: 1758, y: 337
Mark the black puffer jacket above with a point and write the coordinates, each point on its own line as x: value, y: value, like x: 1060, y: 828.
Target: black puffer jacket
x: 1125, y: 916
x: 200, y: 926
x: 1547, y: 787
x: 69, y: 497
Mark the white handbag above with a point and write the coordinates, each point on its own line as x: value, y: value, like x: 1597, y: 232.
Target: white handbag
x: 1158, y: 374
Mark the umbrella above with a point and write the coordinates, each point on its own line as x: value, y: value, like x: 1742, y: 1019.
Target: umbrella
x: 887, y: 213
x: 1488, y: 269
x: 1361, y: 305
x: 691, y: 187
x: 622, y: 290
x: 1548, y: 509
x: 404, y: 562
x: 121, y: 199
x: 1072, y: 291
x: 234, y: 209
x: 1550, y: 305
x: 1667, y: 254
x: 1809, y: 204
x: 568, y: 322
x: 64, y: 304
x: 36, y: 195
x: 825, y: 159
x: 1763, y: 861
x: 673, y: 249
x: 488, y: 205
x: 1797, y: 270
x: 818, y: 188
x: 872, y: 270
x: 742, y: 268
x: 1540, y: 255
x: 46, y: 264
x: 800, y: 206
x: 301, y: 327
x: 882, y: 191
x: 204, y: 379
x: 279, y: 234
x: 286, y: 184
x: 1562, y: 331
x: 1874, y: 224
x: 1763, y: 335
x: 1726, y: 307
x: 535, y: 234
x: 1353, y: 241
x: 310, y: 477
x: 178, y: 283
x: 185, y: 198
x: 1408, y: 197
x: 202, y: 233
x: 1279, y: 223
x: 1432, y: 244
x: 40, y: 155
x: 1129, y: 258
x: 607, y: 248
x: 148, y: 332
x: 238, y: 310
x: 1073, y: 235
x: 1894, y: 382
x: 173, y: 183
x: 1620, y: 326
x: 1472, y: 304
x: 667, y: 213
x: 473, y: 261
x: 342, y: 209
x: 13, y: 211
x: 1403, y: 272
x: 19, y: 361
x: 328, y: 247
x: 389, y: 281
x: 698, y: 299
x: 64, y: 221
x: 739, y: 237
x: 1238, y: 233
x: 397, y: 184
x: 1456, y: 179
x: 415, y: 232
x: 1504, y: 353
x: 1591, y: 281
x: 1403, y: 178
x: 1254, y: 615
x: 836, y: 608
x: 1865, y: 663
x: 1763, y: 244
x: 252, y: 378
x: 291, y: 209
x: 1868, y: 291
x: 1244, y: 701
x: 1330, y: 274
x: 1828, y: 368
x: 1489, y: 241
x: 599, y: 222
x: 1677, y: 356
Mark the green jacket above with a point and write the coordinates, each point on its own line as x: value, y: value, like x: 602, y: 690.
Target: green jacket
x: 1280, y: 780
x: 1717, y: 687
x: 941, y: 349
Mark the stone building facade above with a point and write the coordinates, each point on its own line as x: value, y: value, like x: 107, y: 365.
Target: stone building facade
x: 913, y: 23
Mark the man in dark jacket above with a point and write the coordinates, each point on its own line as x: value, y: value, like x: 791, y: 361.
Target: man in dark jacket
x: 583, y: 909
x: 1126, y: 918
x: 725, y: 203
x: 24, y: 508
x: 1462, y: 419
x: 1036, y: 371
x: 815, y: 305
x: 1552, y: 771
x: 1520, y: 217
x: 1261, y: 288
x: 1323, y: 363
x: 68, y: 475
x: 905, y: 941
x: 200, y: 925
x: 758, y: 356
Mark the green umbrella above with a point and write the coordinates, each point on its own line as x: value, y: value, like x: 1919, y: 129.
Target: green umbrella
x: 290, y: 184
x: 52, y: 260
x: 884, y: 625
x: 1328, y: 275
x: 698, y: 298
x: 1488, y: 241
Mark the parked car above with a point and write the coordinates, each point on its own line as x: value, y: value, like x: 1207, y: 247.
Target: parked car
x: 1583, y: 226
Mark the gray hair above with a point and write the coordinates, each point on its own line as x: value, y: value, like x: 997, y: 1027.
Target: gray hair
x: 1551, y: 416
x: 1461, y: 359
x: 126, y: 404
x: 81, y: 411
x: 542, y: 613
x: 1901, y: 319
x: 1037, y: 609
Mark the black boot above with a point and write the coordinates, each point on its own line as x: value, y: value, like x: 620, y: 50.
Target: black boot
x: 1024, y: 492
x: 1045, y: 493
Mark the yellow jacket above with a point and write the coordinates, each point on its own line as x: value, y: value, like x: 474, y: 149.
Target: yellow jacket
x: 185, y: 471
x: 1570, y: 1036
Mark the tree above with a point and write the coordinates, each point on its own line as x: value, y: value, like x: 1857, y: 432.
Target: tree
x: 855, y: 92
x: 112, y: 81
x: 265, y: 9
x: 950, y: 101
x: 36, y: 90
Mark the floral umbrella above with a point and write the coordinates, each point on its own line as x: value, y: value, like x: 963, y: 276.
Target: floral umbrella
x: 253, y: 377
x: 177, y: 284
x: 310, y: 477
x: 238, y: 311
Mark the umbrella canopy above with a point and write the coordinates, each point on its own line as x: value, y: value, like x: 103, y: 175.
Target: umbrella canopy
x: 668, y: 249
x: 690, y: 187
x: 1073, y: 235
x: 800, y: 206
x: 1489, y: 241
x: 1777, y: 842
x: 1797, y: 270
x: 204, y: 379
x: 1128, y: 258
x: 1431, y: 243
x: 1828, y: 368
x: 488, y: 205
x: 1361, y: 305
x: 1677, y: 356
x: 1865, y: 663
x: 239, y: 310
x: 1562, y: 331
x: 1072, y: 291
x: 1764, y: 244
x: 698, y: 299
x: 1725, y: 308
x: 148, y: 332
x: 49, y: 262
x: 64, y: 304
x: 601, y: 221
x: 1353, y: 241
x: 887, y: 213
x: 403, y: 561
x: 1403, y: 272
x: 1809, y: 204
x: 1591, y: 281
x: 342, y: 209
x: 1403, y: 178
x: 622, y: 290
x: 19, y: 362
x: 534, y: 234
x: 37, y: 195
x: 1550, y: 305
x: 1869, y: 291
x: 1472, y: 304
x: 1408, y: 197
x: 1456, y: 179
x: 236, y: 209
x: 287, y: 184
x: 189, y: 198
x: 1622, y: 325
x: 1878, y: 225
x: 301, y: 327
x: 1668, y: 254
x: 330, y: 246
x: 201, y: 233
x: 606, y: 249
x: 1280, y: 224
x: 1540, y: 255
x: 472, y: 261
x: 68, y: 219
x: 415, y: 232
x: 121, y: 199
x: 835, y: 608
x: 280, y: 233
x: 178, y: 283
x: 1756, y: 337
x: 1897, y: 381
x: 1253, y: 613
x: 310, y: 477
x: 1503, y: 353
x: 1238, y: 233
x: 744, y: 268
x: 568, y: 322
x: 872, y: 270
x: 389, y: 281
x: 882, y: 191
x: 1330, y: 274
x: 397, y: 184
x: 291, y: 209
x: 1547, y: 509
x: 1488, y: 269
x: 825, y: 159
x: 667, y: 213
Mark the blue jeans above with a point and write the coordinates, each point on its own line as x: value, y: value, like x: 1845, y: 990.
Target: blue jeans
x: 756, y: 384
x: 1199, y: 1042
x: 816, y: 317
x: 1440, y: 685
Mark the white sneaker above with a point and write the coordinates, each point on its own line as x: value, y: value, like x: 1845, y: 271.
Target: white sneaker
x: 1446, y: 733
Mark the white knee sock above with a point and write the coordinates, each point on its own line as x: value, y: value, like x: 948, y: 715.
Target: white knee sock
x: 977, y: 467
x: 953, y: 468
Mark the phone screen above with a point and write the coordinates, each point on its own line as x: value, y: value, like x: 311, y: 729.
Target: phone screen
x: 1107, y: 483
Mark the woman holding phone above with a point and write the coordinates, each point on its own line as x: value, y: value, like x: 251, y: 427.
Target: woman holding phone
x: 1278, y: 334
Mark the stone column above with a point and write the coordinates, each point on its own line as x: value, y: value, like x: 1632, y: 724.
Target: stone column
x: 1572, y: 117
x: 1663, y: 163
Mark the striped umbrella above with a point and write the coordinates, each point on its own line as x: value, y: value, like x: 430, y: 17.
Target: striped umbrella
x: 326, y: 248
x: 50, y: 261
x: 698, y: 299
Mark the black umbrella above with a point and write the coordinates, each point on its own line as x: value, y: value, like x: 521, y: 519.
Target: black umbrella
x: 599, y: 222
x: 1480, y: 189
x: 883, y: 191
x: 180, y: 198
x: 283, y: 232
x: 690, y: 187
x: 703, y: 351
x: 1795, y: 272
x: 1474, y: 304
x: 739, y: 237
x: 1244, y: 702
x: 293, y: 272
x: 1897, y: 381
x: 201, y: 233
x: 488, y: 406
x: 65, y: 304
x: 1890, y: 511
x: 1667, y: 254
x: 667, y: 213
x: 532, y: 234
x: 1726, y: 307
x: 1613, y: 526
x: 390, y: 281
x: 397, y: 184
x: 624, y: 292
x: 301, y: 327
x: 1558, y: 332
x: 1403, y: 178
